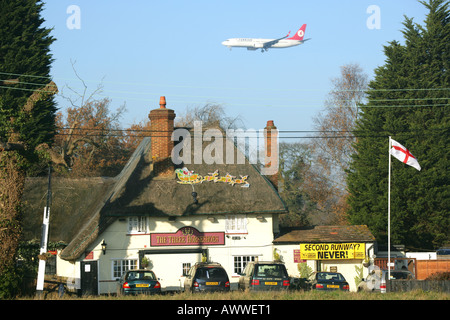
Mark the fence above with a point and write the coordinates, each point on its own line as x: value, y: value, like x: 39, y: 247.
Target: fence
x: 426, y: 268
x: 425, y: 285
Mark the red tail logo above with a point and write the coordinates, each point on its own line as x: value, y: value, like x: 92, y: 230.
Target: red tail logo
x: 299, y: 35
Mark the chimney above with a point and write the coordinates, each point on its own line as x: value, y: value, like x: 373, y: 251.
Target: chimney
x: 271, y: 153
x: 161, y: 124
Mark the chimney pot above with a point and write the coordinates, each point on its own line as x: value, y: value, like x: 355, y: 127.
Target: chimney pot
x: 162, y: 102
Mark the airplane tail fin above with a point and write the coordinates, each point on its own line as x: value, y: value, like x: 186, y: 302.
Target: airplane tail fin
x: 299, y: 35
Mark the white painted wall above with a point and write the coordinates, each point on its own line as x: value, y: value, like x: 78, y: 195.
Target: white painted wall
x: 168, y: 267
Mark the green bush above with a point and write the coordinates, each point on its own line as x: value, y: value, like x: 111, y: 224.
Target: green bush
x: 439, y: 276
x: 10, y: 282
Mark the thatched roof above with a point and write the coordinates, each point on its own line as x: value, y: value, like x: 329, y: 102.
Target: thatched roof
x: 82, y: 209
x: 73, y: 201
x: 357, y: 233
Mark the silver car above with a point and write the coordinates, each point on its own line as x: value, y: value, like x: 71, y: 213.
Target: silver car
x: 373, y: 281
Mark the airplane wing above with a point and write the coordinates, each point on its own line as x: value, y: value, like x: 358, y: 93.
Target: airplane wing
x: 268, y: 44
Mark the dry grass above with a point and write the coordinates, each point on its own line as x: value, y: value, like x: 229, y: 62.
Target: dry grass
x: 275, y: 295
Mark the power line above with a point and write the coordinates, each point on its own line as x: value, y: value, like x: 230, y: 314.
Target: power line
x: 237, y: 88
x: 333, y: 91
x: 25, y: 89
x: 282, y: 105
x: 279, y: 131
x: 341, y: 134
x: 24, y: 75
x: 336, y: 101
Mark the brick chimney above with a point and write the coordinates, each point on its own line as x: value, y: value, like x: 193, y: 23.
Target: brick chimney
x: 271, y: 153
x: 161, y: 124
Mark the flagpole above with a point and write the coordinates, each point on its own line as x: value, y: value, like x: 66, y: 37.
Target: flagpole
x: 389, y: 212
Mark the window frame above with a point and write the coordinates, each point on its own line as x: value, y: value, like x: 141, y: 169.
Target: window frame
x: 243, y: 261
x: 236, y: 224
x: 120, y: 266
x: 137, y: 224
x: 186, y: 268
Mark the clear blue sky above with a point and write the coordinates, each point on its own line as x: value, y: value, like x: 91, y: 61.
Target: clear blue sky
x: 143, y: 49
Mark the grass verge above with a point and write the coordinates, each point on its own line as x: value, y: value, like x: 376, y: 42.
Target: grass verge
x: 265, y: 295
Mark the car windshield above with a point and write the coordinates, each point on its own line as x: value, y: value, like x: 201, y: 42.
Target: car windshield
x: 270, y: 271
x: 330, y: 276
x: 209, y: 273
x: 140, y: 275
x: 399, y: 275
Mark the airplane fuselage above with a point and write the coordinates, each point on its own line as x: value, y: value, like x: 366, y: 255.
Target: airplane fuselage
x: 265, y: 44
x: 253, y: 44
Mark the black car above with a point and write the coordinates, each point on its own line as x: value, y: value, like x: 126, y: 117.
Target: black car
x: 330, y: 281
x: 264, y: 275
x: 207, y: 276
x: 138, y: 282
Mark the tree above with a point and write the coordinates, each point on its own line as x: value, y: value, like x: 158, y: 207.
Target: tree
x: 332, y: 147
x: 25, y: 57
x: 89, y: 141
x: 408, y: 100
x: 27, y: 114
x: 134, y: 134
x: 209, y: 114
x: 13, y: 164
x: 292, y: 162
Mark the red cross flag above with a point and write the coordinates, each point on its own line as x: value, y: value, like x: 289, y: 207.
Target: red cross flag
x: 403, y: 154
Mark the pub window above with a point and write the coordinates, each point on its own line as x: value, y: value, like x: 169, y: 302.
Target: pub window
x: 121, y: 266
x: 137, y: 225
x: 186, y: 268
x: 240, y: 262
x: 236, y: 224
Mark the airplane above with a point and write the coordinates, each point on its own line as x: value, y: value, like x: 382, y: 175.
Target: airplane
x: 265, y: 44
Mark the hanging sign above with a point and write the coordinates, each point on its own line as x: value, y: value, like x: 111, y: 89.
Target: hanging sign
x: 187, y: 236
x: 332, y: 251
x: 189, y: 177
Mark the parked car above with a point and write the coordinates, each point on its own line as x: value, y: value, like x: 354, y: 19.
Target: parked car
x: 300, y: 284
x: 373, y: 281
x: 264, y: 275
x: 443, y: 252
x: 138, y: 281
x: 207, y: 276
x: 329, y: 281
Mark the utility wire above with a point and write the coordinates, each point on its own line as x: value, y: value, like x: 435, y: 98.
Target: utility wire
x: 339, y: 135
x: 282, y: 105
x: 279, y: 131
x: 190, y: 96
x: 203, y: 87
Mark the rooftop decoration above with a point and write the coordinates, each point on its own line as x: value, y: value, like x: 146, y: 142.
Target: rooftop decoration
x: 189, y: 177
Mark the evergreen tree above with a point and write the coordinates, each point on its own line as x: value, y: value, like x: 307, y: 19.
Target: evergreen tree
x: 408, y: 100
x: 27, y: 118
x: 25, y: 59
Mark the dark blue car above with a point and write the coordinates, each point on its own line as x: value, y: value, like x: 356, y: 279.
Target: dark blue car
x: 330, y: 281
x: 207, y: 277
x: 139, y: 282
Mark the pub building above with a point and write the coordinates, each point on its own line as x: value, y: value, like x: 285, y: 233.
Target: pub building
x: 161, y: 215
